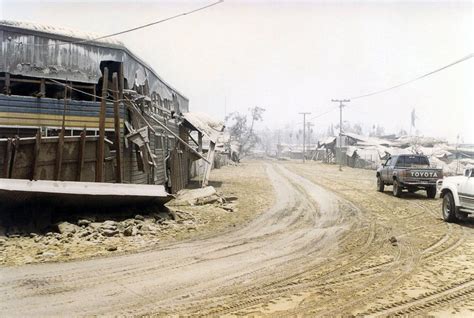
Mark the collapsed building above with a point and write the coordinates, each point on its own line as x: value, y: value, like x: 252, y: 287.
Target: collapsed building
x: 77, y: 107
x: 359, y: 151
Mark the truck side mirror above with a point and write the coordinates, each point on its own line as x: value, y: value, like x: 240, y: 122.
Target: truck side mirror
x: 467, y: 172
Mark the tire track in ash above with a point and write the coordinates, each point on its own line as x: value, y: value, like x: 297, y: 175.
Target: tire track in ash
x: 257, y: 294
x: 180, y: 274
x: 453, y: 238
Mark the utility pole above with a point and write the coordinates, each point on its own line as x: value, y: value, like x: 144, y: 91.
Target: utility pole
x: 340, y: 101
x: 304, y: 133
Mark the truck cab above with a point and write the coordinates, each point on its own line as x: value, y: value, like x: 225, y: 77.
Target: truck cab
x: 458, y: 196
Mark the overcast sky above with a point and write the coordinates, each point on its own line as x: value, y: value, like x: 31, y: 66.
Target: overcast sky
x: 290, y: 57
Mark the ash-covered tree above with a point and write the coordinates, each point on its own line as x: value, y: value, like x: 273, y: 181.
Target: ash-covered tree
x: 241, y: 128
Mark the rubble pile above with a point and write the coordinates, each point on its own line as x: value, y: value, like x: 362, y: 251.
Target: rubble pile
x: 101, y: 234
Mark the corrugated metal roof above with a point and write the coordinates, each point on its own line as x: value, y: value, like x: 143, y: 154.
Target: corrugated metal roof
x: 77, y: 36
x: 73, y: 34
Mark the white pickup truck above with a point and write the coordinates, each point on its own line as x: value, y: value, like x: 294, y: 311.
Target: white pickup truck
x: 458, y: 196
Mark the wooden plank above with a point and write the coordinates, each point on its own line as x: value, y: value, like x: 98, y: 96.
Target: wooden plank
x: 200, y: 135
x: 43, y: 87
x: 8, y: 158
x: 178, y: 138
x: 16, y: 144
x: 100, y: 146
x: 81, y: 155
x: 118, y: 136
x: 36, y: 154
x: 121, y: 82
x: 210, y: 159
x: 60, y: 148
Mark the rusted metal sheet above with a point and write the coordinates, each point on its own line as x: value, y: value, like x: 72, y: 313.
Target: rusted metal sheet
x: 13, y: 191
x: 48, y: 52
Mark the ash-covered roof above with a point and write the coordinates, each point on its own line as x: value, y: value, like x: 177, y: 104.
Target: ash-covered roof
x: 72, y: 34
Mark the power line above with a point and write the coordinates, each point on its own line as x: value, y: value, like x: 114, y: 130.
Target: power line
x: 129, y: 30
x: 417, y: 78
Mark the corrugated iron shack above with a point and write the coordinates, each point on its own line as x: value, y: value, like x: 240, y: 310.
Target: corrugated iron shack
x: 74, y: 108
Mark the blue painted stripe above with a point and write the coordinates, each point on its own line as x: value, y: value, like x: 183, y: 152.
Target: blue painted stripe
x: 24, y: 104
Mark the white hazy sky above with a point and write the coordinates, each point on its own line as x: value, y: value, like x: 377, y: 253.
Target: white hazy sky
x: 289, y: 56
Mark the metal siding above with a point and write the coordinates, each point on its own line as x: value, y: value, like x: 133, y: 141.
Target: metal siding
x: 40, y: 55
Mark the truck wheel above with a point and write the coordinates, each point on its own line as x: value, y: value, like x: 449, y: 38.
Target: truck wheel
x: 397, y: 190
x: 380, y: 185
x: 449, y: 208
x: 431, y: 192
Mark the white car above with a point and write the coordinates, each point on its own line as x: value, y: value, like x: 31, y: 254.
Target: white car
x: 458, y: 196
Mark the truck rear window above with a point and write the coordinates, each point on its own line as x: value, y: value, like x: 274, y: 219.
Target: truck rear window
x: 409, y: 161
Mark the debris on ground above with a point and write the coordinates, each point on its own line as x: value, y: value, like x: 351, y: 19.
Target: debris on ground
x: 90, y: 234
x: 204, y: 196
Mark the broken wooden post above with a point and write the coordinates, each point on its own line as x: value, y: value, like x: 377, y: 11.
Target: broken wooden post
x: 7, y: 159
x: 118, y: 135
x: 80, y: 160
x: 121, y: 82
x: 178, y: 138
x: 59, y: 151
x: 99, y: 172
x: 43, y: 87
x: 16, y: 148
x: 200, y: 141
x: 210, y: 160
x: 36, y: 153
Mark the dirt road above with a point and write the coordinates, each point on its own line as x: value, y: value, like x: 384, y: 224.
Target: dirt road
x: 323, y: 249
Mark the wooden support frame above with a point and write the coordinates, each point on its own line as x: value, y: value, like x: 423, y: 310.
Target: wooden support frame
x: 118, y: 134
x: 60, y: 148
x: 99, y: 177
x: 16, y: 144
x: 81, y: 155
x: 179, y: 139
x: 210, y: 159
x: 43, y: 87
x: 8, y: 158
x: 36, y: 154
x: 200, y: 135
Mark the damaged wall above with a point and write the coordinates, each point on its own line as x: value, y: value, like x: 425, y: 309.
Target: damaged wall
x: 43, y: 52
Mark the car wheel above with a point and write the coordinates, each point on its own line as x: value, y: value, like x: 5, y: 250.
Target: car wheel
x: 397, y: 190
x: 449, y: 208
x: 380, y: 185
x: 431, y: 192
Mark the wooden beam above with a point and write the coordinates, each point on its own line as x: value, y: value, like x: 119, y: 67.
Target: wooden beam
x: 200, y: 134
x: 178, y: 138
x: 36, y: 154
x: 94, y: 92
x: 210, y: 159
x: 121, y: 82
x: 118, y: 135
x: 16, y: 144
x: 8, y: 158
x: 99, y: 176
x: 7, y: 84
x: 131, y: 105
x: 191, y: 137
x: 81, y: 152
x: 60, y: 148
x: 43, y: 87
